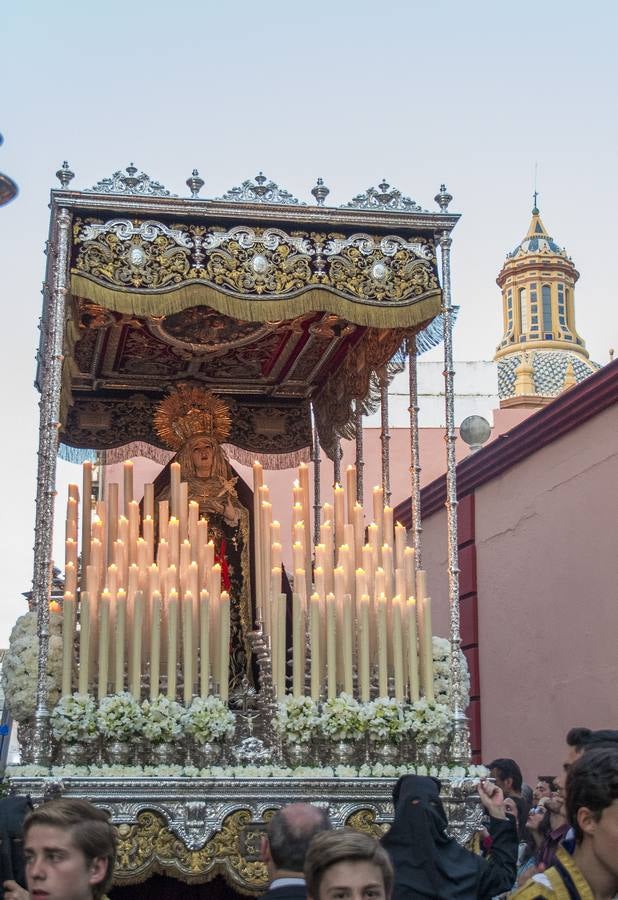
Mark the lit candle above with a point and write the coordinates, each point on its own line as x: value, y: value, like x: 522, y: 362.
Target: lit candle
x: 70, y: 578
x: 298, y: 555
x: 71, y: 520
x: 68, y: 617
x: 388, y: 536
x: 350, y: 485
x: 148, y: 529
x: 303, y: 477
x: 409, y: 568
x: 363, y: 648
x: 224, y: 623
x: 276, y: 553
x: 331, y: 646
x: 281, y: 648
x: 121, y: 630
x: 359, y: 531
x: 204, y: 643
x: 127, y: 471
x: 266, y: 513
x: 103, y: 643
x: 273, y: 606
x: 194, y: 515
x: 173, y: 539
x: 111, y: 492
x: 172, y: 643
x: 183, y: 514
x: 314, y: 637
x: 133, y: 530
x: 164, y: 518
x: 163, y: 556
x: 400, y: 545
x: 155, y: 643
x: 387, y: 565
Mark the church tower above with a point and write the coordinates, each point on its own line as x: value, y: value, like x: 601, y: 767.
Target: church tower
x: 540, y: 354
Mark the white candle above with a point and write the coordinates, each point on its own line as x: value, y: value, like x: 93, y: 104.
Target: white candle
x: 378, y: 512
x: 121, y: 629
x: 358, y: 521
x: 409, y: 568
x: 413, y: 676
x: 363, y: 648
x: 136, y: 647
x: 331, y: 645
x: 148, y: 529
x: 388, y: 536
x: 339, y: 515
x: 397, y: 648
x: 224, y: 620
x: 281, y: 665
x: 133, y: 530
x: 84, y: 643
x: 314, y: 637
x: 258, y: 481
x: 350, y: 485
x: 187, y: 647
x: 175, y: 489
x: 103, y: 643
x: 173, y: 538
x: 149, y: 500
x: 348, y: 684
x: 400, y: 545
x: 127, y: 471
x: 204, y: 643
x: 164, y: 518
x: 298, y: 639
x: 194, y: 515
x: 68, y: 617
x: 427, y: 650
x: 172, y: 643
x: 382, y: 646
x: 86, y: 517
x: 183, y: 512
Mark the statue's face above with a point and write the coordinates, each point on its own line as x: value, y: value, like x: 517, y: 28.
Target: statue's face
x: 203, y: 456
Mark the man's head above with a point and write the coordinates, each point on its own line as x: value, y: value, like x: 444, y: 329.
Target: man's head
x: 288, y: 835
x: 543, y: 788
x: 507, y: 775
x: 579, y: 741
x: 347, y: 865
x: 70, y: 850
x: 592, y: 807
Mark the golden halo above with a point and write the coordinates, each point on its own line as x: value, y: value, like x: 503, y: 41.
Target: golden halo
x: 188, y: 411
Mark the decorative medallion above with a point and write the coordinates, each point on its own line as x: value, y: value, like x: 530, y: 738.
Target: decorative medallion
x: 204, y: 330
x: 261, y: 190
x: 384, y: 197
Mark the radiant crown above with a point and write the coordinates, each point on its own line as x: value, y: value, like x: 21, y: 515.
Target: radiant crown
x: 188, y: 411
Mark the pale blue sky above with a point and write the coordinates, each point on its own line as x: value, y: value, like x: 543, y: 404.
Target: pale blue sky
x: 470, y: 94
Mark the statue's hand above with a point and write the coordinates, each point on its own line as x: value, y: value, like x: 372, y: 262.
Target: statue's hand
x: 230, y: 513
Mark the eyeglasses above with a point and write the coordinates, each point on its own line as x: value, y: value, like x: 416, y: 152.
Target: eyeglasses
x: 536, y: 810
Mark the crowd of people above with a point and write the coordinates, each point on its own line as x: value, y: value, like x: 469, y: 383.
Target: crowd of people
x: 558, y: 839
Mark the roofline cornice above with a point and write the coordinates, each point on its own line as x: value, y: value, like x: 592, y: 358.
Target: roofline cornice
x: 217, y: 210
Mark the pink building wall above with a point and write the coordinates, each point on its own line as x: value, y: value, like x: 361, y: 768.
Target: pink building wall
x: 546, y: 579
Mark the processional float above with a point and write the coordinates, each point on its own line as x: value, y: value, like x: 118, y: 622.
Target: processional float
x: 267, y: 327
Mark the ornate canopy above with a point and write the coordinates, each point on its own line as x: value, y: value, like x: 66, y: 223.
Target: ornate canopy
x: 270, y: 302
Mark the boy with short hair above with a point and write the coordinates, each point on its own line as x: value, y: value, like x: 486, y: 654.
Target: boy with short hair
x: 69, y: 850
x: 347, y: 865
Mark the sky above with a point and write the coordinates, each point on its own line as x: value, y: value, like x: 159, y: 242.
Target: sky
x: 476, y: 95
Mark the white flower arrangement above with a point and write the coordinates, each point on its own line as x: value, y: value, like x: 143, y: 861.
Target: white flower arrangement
x: 209, y: 719
x: 341, y: 718
x: 120, y: 717
x: 377, y: 770
x: 297, y: 719
x: 20, y: 666
x: 441, y: 651
x: 74, y: 719
x: 385, y: 719
x: 430, y: 721
x: 162, y: 719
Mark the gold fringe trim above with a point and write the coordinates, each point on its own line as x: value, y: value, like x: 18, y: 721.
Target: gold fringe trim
x: 370, y: 313
x: 136, y: 449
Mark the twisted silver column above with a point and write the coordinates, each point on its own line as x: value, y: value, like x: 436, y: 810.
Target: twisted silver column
x: 317, y: 498
x: 460, y: 745
x: 415, y: 464
x: 360, y: 460
x: 385, y: 437
x: 52, y: 324
x: 337, y: 462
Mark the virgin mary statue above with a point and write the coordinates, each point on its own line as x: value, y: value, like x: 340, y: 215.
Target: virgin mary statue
x: 194, y: 422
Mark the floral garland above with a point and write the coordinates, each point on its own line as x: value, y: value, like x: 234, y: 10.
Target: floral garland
x: 378, y: 770
x: 341, y: 718
x: 385, y: 719
x: 297, y: 719
x: 20, y: 666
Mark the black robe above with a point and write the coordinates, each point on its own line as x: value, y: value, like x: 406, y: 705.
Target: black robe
x: 429, y: 863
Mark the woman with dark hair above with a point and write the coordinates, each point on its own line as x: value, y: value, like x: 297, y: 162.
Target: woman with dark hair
x: 536, y: 830
x: 430, y: 863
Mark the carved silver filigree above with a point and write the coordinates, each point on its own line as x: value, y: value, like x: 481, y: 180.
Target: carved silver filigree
x: 384, y: 197
x: 261, y: 190
x: 247, y: 238
x: 388, y: 245
x: 124, y: 230
x: 130, y: 182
